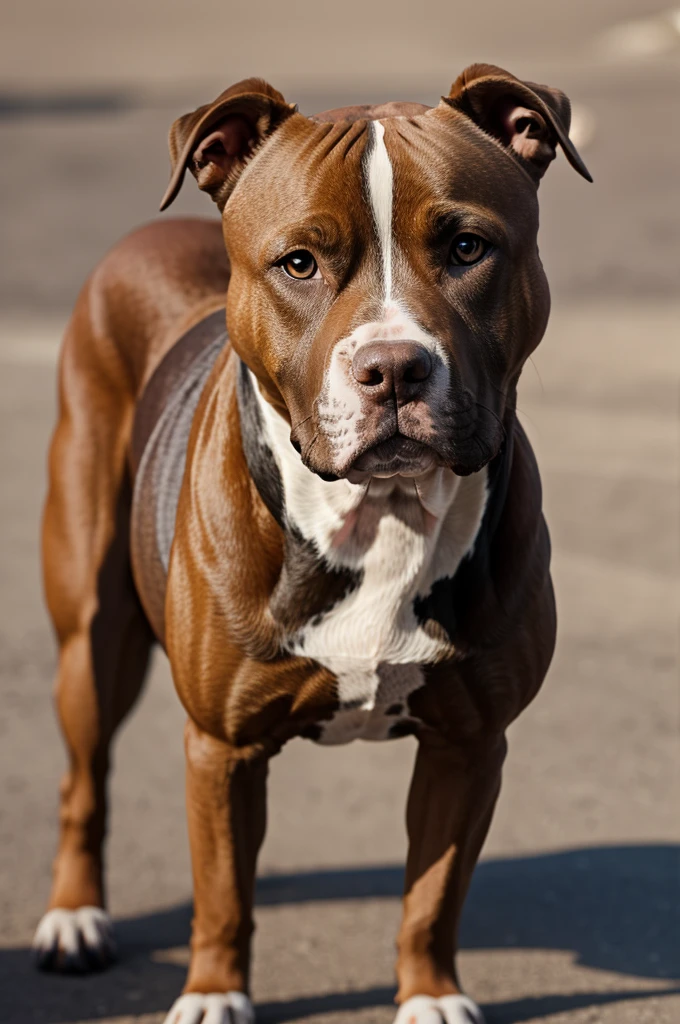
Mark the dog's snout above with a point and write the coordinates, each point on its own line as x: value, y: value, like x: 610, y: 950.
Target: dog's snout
x: 385, y: 368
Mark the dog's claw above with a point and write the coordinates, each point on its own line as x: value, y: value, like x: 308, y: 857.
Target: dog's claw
x: 445, y: 1010
x: 74, y: 941
x: 212, y: 1008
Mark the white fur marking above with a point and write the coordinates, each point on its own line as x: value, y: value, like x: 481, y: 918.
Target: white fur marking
x: 318, y: 508
x: 65, y: 931
x: 212, y: 1008
x: 450, y: 1009
x: 380, y: 190
x: 372, y: 640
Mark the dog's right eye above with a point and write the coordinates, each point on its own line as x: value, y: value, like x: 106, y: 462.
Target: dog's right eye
x: 300, y: 264
x: 468, y: 249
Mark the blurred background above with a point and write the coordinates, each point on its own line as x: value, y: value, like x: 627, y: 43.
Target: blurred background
x: 573, y: 916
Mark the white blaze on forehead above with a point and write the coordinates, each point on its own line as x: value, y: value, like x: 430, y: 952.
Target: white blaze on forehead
x: 380, y: 189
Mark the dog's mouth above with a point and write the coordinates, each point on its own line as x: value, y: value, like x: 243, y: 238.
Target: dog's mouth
x: 396, y: 456
x: 408, y: 445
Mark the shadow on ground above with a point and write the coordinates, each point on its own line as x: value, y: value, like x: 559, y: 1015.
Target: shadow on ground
x: 615, y: 908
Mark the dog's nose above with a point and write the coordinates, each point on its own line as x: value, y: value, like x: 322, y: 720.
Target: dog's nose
x: 392, y: 367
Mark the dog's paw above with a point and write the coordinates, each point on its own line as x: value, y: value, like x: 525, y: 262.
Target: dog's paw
x: 213, y: 1008
x: 445, y: 1010
x: 74, y: 940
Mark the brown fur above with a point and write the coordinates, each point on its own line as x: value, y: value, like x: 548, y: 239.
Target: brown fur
x: 243, y: 698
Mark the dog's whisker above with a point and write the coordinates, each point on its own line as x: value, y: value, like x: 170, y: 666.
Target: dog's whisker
x: 500, y: 391
x: 495, y: 416
x: 538, y: 374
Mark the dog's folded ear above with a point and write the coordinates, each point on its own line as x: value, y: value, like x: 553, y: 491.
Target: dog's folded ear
x: 216, y: 140
x: 529, y: 119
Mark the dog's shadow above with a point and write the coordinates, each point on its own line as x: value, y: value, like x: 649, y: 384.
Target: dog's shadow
x: 614, y: 908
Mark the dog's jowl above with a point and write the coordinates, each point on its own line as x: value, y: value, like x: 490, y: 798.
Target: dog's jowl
x: 287, y: 451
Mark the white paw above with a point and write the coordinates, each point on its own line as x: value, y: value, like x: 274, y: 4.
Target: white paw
x: 74, y: 940
x: 448, y: 1009
x: 212, y: 1008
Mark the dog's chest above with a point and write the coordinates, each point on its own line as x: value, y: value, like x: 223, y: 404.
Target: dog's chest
x: 373, y: 639
x: 388, y: 542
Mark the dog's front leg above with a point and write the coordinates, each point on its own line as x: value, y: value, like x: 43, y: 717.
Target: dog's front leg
x: 226, y: 804
x: 451, y: 801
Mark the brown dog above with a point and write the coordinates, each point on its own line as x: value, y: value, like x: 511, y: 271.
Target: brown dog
x: 330, y: 517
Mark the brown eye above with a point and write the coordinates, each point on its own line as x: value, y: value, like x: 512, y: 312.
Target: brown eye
x: 468, y: 249
x: 299, y: 264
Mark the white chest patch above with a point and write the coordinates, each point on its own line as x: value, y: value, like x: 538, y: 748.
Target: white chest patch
x: 400, y: 535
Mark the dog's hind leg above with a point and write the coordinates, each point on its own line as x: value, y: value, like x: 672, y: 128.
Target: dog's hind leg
x: 104, y: 638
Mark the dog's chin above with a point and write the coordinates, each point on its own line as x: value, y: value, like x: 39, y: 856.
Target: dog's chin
x: 397, y: 456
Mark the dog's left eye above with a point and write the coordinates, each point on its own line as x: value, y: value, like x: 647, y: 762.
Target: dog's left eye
x: 300, y: 264
x: 468, y: 249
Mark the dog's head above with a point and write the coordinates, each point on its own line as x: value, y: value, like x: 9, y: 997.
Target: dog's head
x: 386, y: 285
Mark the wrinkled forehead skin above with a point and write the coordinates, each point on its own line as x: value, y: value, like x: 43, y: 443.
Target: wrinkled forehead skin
x: 319, y: 184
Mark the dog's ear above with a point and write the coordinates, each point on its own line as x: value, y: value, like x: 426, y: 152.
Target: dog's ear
x: 216, y: 140
x: 530, y: 120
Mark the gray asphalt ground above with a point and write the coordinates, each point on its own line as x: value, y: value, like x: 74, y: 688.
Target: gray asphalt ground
x: 573, y: 916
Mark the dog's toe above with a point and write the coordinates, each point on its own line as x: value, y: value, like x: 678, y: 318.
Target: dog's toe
x: 74, y: 940
x: 460, y: 1010
x: 445, y: 1010
x: 419, y: 1010
x: 212, y: 1008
